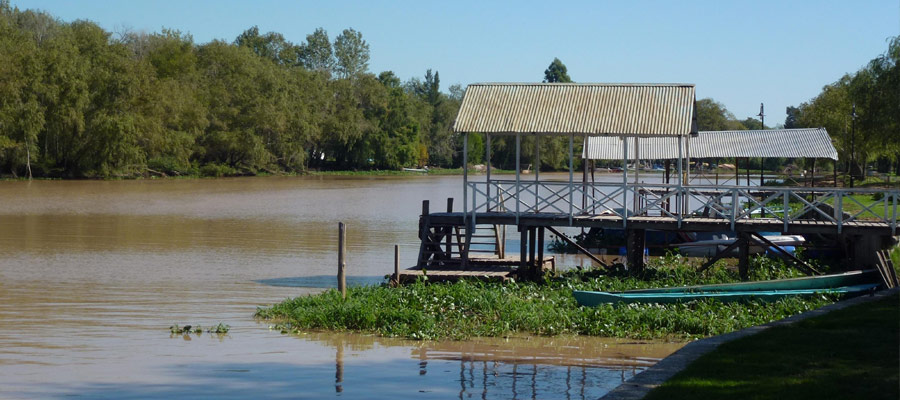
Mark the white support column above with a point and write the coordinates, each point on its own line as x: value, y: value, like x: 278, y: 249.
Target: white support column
x: 624, y: 181
x: 518, y: 171
x: 571, y: 176
x: 537, y: 171
x: 680, y: 199
x: 687, y: 146
x: 637, y: 172
x: 487, y: 156
x: 466, y: 177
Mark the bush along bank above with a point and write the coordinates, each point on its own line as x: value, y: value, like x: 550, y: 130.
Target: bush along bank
x: 467, y: 309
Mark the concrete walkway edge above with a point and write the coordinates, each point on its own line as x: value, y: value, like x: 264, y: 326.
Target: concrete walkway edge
x: 639, y: 385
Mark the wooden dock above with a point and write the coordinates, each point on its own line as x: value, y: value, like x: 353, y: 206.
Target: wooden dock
x: 665, y: 223
x: 481, y: 268
x: 446, y: 240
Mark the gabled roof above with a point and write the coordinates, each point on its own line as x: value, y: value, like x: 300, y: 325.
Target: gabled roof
x: 617, y: 109
x: 787, y: 143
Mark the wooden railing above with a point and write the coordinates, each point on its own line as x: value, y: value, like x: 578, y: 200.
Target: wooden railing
x: 683, y: 203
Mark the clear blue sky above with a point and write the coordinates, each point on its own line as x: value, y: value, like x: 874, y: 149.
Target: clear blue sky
x: 740, y: 53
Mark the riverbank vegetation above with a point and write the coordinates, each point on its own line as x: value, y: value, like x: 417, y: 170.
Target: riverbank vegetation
x: 845, y: 354
x: 469, y: 308
x: 77, y: 101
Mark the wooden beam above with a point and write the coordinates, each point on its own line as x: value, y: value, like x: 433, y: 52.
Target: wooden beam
x: 577, y: 246
x: 449, y: 230
x: 342, y: 263
x: 719, y: 256
x: 787, y: 256
x: 532, y: 232
x: 744, y: 255
x: 523, y: 249
x: 634, y: 248
x: 540, y: 250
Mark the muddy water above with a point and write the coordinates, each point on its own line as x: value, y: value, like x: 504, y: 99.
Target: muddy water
x: 92, y: 274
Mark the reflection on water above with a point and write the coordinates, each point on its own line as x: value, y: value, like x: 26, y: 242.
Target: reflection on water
x: 93, y: 273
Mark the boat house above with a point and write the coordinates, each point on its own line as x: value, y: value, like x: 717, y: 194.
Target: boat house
x: 631, y: 119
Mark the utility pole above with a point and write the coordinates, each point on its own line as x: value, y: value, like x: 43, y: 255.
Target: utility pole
x: 852, y: 143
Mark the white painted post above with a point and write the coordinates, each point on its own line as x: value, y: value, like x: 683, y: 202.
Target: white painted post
x: 537, y: 171
x: 466, y: 177
x: 680, y: 199
x: 518, y: 172
x: 487, y: 180
x: 571, y: 175
x: 786, y: 213
x: 624, y: 181
x: 637, y: 172
x: 839, y: 209
x: 687, y: 147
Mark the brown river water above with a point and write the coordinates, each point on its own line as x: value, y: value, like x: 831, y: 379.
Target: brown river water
x: 93, y: 273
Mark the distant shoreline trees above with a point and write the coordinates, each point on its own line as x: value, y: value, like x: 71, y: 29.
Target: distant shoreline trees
x: 875, y: 91
x: 77, y: 101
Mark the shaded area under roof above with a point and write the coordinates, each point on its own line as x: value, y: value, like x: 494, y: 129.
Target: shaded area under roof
x: 768, y: 143
x: 578, y: 108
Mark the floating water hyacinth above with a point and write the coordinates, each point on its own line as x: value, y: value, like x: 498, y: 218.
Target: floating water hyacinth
x: 187, y: 329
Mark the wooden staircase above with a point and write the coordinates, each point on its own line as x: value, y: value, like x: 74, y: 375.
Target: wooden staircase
x: 444, y: 245
x: 453, y: 245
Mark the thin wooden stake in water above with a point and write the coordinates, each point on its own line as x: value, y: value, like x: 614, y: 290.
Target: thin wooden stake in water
x: 342, y: 262
x: 397, y: 264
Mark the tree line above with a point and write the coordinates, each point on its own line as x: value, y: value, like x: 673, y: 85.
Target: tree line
x: 861, y: 112
x: 78, y: 101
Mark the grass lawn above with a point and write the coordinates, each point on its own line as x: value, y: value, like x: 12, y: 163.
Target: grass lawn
x: 852, y: 353
x: 877, y: 210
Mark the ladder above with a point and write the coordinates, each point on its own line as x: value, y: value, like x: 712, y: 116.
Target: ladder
x: 452, y: 245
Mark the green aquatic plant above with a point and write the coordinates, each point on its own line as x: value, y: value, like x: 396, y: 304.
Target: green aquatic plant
x: 187, y: 329
x: 464, y: 309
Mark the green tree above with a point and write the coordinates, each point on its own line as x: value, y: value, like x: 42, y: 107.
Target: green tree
x: 752, y: 123
x: 271, y: 45
x: 556, y: 73
x: 713, y: 116
x: 790, y: 122
x: 316, y: 54
x: 351, y: 53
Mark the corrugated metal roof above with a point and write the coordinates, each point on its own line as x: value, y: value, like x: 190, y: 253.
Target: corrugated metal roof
x: 787, y: 143
x: 580, y: 108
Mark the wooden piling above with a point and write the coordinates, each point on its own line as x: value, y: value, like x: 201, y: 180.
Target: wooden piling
x: 540, y: 250
x: 342, y: 261
x: 744, y: 255
x: 634, y: 248
x: 397, y: 264
x: 523, y: 249
x: 532, y: 264
x: 449, y: 231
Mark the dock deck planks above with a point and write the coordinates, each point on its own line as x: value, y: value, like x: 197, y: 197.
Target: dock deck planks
x: 484, y: 268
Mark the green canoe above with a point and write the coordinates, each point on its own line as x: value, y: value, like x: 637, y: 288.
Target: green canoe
x: 809, y: 282
x: 590, y: 299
